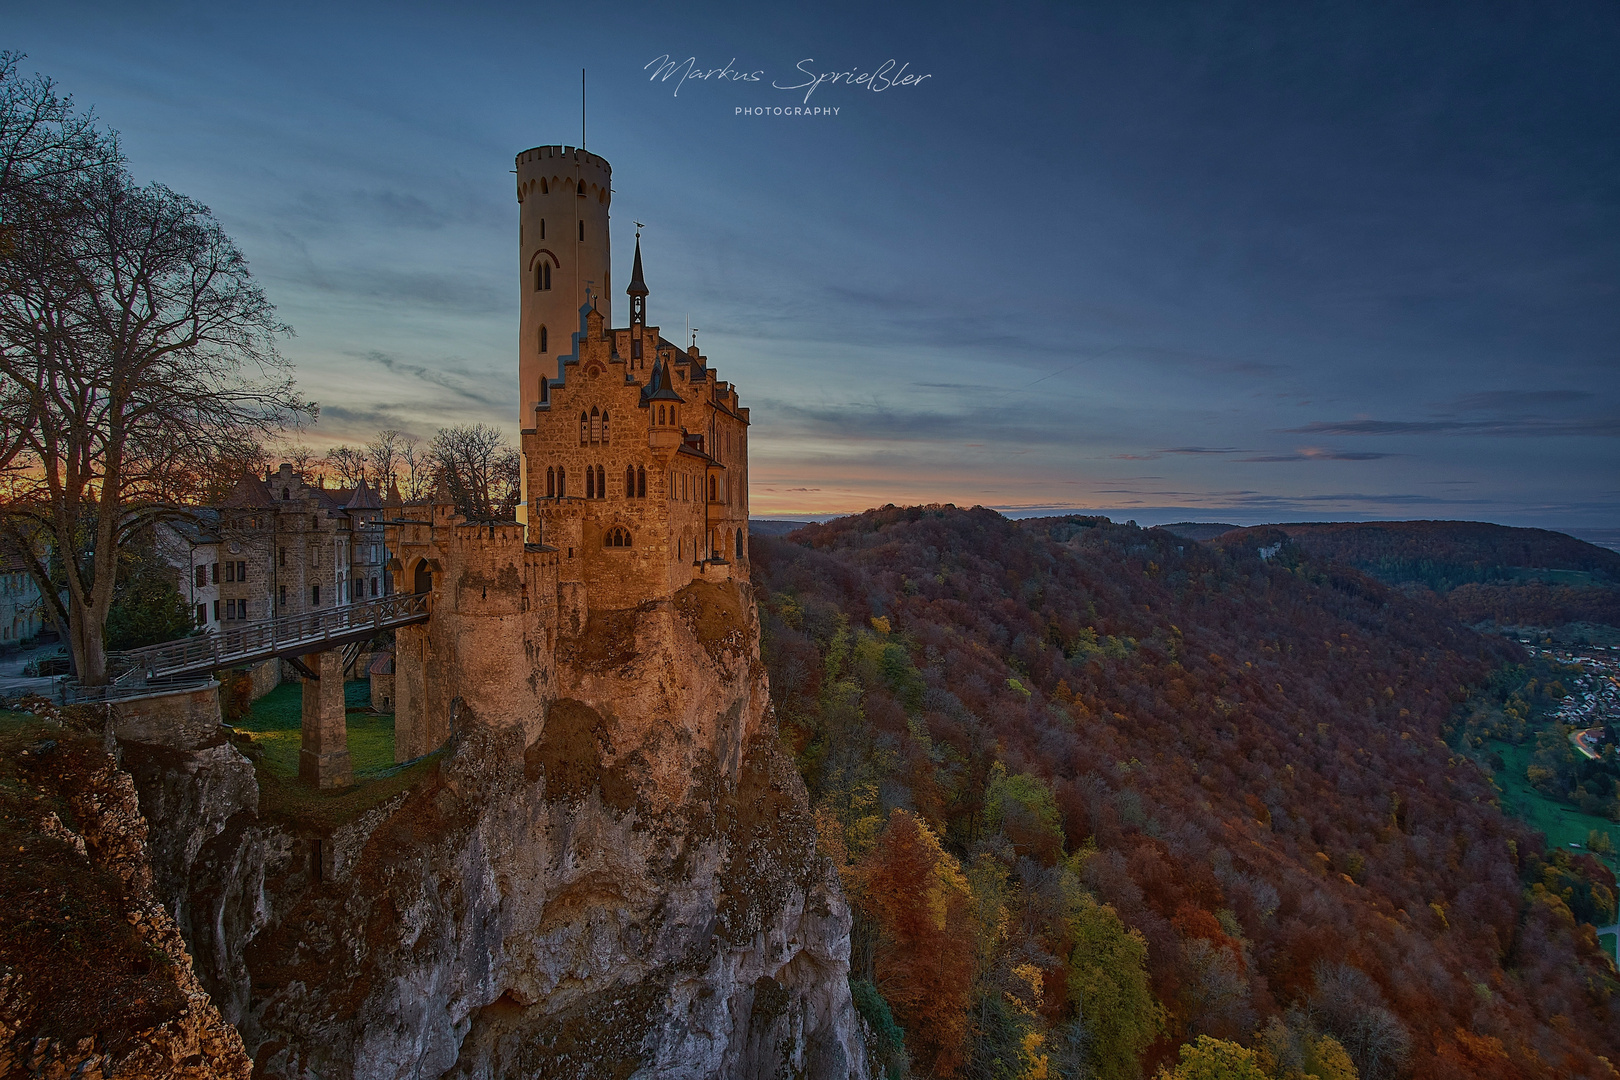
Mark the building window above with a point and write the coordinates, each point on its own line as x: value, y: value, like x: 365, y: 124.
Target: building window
x: 641, y: 481
x: 741, y: 547
x: 201, y: 577
x: 215, y: 573
x: 660, y: 414
x: 230, y: 609
x: 373, y: 586
x: 551, y: 482
x: 584, y: 428
x: 601, y: 483
x: 582, y: 231
x: 581, y: 191
x: 616, y: 538
x: 590, y: 482
x: 230, y: 571
x: 629, y: 481
x: 202, y: 614
x: 562, y: 482
x: 711, y: 489
x: 216, y: 611
x: 542, y: 221
x: 604, y: 426
x: 314, y: 596
x: 241, y: 570
x: 542, y: 276
x: 542, y: 339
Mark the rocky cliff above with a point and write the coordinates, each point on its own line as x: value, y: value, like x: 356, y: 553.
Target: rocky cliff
x: 633, y: 889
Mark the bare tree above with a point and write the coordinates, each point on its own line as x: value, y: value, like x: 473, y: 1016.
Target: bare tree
x: 304, y: 461
x: 140, y: 345
x: 477, y: 469
x: 418, y: 469
x: 347, y: 463
x: 384, y: 456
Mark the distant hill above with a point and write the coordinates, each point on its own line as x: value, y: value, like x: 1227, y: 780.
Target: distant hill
x: 1199, y: 530
x: 774, y: 526
x: 1241, y: 756
x: 1485, y: 572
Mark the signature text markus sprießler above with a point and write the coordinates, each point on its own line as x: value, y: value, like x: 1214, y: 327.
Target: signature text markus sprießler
x: 888, y: 75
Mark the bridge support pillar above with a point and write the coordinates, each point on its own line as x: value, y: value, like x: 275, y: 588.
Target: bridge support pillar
x: 323, y: 758
x: 412, y: 738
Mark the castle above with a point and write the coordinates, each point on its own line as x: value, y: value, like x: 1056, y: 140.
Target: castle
x: 635, y: 476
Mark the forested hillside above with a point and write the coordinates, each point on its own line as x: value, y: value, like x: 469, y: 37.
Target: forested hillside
x: 1108, y: 799
x: 1485, y: 573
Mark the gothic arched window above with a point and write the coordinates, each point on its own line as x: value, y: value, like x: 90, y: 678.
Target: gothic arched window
x: 711, y: 489
x: 596, y: 425
x: 562, y: 482
x: 629, y: 481
x: 590, y: 482
x: 551, y: 482
x: 601, y: 483
x: 543, y: 339
x: 641, y: 481
x: 542, y: 276
x: 616, y: 537
x: 581, y: 191
x: 584, y: 427
x: 544, y: 190
x: 582, y: 230
x: 604, y: 425
x: 741, y: 548
x: 660, y: 414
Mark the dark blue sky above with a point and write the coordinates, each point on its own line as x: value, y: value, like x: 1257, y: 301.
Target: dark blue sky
x: 1236, y: 262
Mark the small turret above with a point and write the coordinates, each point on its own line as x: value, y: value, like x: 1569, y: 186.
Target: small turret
x: 637, y: 292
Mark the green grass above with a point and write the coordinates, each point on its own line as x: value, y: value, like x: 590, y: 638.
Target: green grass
x: 1563, y: 823
x: 275, y: 723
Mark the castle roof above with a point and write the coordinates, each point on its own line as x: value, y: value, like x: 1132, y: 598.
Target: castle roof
x: 394, y: 497
x: 658, y: 387
x: 364, y: 498
x: 638, y: 284
x: 249, y: 492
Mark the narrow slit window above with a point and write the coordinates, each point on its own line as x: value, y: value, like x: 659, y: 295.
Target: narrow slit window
x: 543, y: 343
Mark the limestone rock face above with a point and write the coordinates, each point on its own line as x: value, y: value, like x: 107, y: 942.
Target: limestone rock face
x: 167, y: 1027
x: 633, y: 889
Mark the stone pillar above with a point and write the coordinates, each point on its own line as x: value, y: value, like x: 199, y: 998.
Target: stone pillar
x: 323, y: 758
x: 411, y: 738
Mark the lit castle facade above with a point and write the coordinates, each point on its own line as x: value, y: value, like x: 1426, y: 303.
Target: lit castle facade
x: 635, y: 481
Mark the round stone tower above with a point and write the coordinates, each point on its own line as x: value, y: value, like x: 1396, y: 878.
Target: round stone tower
x: 564, y: 258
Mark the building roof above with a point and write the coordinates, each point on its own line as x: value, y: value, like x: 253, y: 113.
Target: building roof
x: 249, y: 492
x: 658, y: 387
x: 198, y: 525
x: 638, y: 284
x: 394, y: 498
x: 364, y: 498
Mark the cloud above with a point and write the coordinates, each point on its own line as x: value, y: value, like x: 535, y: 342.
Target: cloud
x: 1527, y: 428
x: 445, y: 378
x: 1518, y: 400
x: 1135, y: 457
x: 1204, y: 450
x: 1316, y: 453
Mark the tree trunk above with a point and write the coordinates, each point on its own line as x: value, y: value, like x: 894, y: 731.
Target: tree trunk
x: 89, y: 651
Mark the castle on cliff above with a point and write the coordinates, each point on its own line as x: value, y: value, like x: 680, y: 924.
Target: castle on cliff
x: 635, y: 475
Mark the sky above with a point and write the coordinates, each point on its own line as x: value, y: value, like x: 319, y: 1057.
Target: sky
x: 1236, y: 262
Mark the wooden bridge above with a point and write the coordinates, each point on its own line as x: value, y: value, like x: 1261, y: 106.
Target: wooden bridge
x: 288, y: 637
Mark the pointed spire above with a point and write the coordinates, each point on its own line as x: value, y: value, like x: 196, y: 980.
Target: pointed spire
x: 638, y: 284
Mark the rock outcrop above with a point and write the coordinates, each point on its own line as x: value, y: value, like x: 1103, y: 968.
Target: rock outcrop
x: 630, y: 887
x: 95, y: 977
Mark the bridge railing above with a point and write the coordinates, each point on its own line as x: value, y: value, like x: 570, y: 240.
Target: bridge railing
x: 269, y: 637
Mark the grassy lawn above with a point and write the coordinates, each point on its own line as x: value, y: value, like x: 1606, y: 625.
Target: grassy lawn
x: 1563, y: 823
x: 276, y: 720
x: 272, y: 727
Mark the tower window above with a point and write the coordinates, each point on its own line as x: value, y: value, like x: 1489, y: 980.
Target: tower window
x: 641, y: 481
x: 582, y: 230
x: 601, y: 483
x: 584, y: 428
x: 562, y: 482
x: 542, y: 276
x: 551, y: 482
x: 711, y: 489
x: 616, y: 538
x: 543, y: 339
x: 544, y: 190
x: 596, y: 426
x: 581, y: 191
x: 542, y: 228
x: 590, y: 482
x: 629, y: 481
x: 604, y: 425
